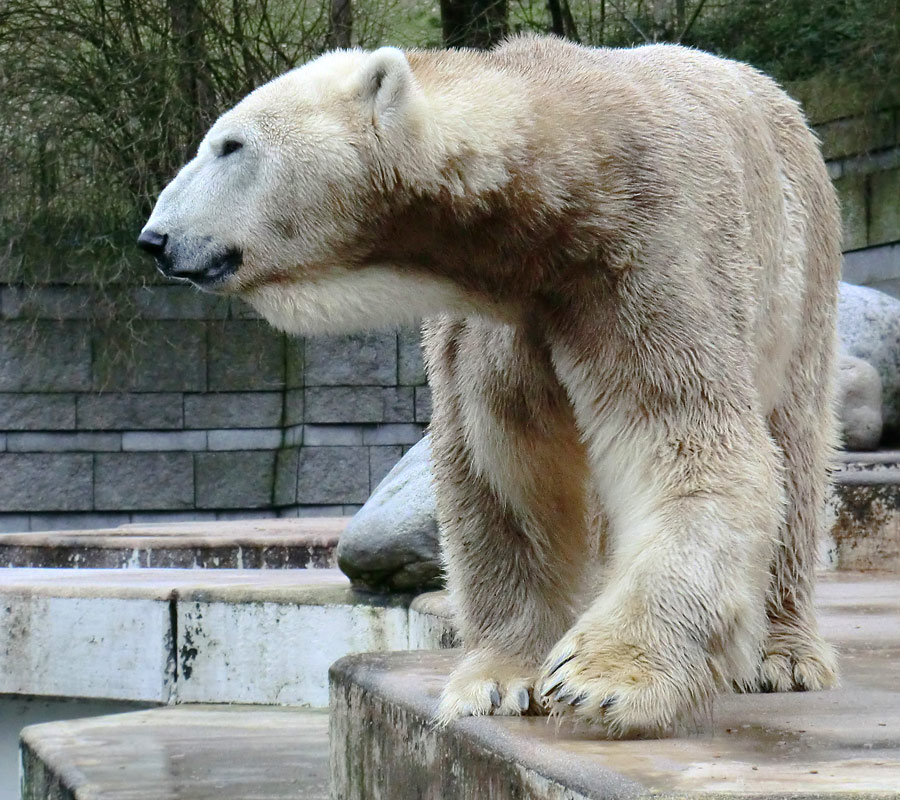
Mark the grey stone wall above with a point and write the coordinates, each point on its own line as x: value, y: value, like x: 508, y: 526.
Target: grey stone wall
x: 210, y: 414
x: 860, y: 136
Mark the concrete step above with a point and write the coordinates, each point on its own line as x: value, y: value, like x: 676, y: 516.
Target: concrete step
x: 181, y: 753
x: 189, y: 636
x: 17, y: 712
x: 836, y: 744
x: 864, y: 512
x: 871, y: 462
x: 248, y: 544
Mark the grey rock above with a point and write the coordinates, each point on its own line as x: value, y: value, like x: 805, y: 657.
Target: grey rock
x: 382, y: 459
x: 295, y: 360
x: 332, y: 435
x: 399, y: 404
x: 245, y: 439
x: 341, y: 404
x: 393, y: 541
x: 80, y: 442
x: 877, y: 267
x: 293, y: 407
x: 423, y: 404
x: 859, y: 403
x: 869, y: 328
x: 51, y: 302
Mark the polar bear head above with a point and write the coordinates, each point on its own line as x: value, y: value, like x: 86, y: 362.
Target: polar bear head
x: 278, y: 205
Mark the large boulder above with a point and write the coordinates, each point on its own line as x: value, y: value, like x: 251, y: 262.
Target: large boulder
x: 392, y: 542
x: 869, y: 329
x: 859, y: 403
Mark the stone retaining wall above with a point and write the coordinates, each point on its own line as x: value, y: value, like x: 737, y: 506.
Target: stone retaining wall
x: 860, y: 136
x: 212, y: 414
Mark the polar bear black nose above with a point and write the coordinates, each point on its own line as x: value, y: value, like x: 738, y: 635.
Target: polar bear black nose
x: 153, y: 242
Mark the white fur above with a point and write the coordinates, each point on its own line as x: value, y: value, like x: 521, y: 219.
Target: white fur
x: 345, y: 301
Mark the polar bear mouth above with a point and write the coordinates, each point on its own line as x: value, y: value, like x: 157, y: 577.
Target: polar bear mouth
x: 217, y: 272
x: 210, y: 275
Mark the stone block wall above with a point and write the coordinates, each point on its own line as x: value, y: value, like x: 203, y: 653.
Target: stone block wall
x: 209, y: 414
x: 860, y: 137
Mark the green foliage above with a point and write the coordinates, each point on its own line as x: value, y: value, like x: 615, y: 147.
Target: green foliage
x: 101, y: 101
x: 795, y: 39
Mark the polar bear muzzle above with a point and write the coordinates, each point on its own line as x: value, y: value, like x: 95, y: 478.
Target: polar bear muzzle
x: 201, y: 262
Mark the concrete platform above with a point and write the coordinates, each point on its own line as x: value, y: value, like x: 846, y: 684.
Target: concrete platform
x: 251, y: 544
x: 184, y: 753
x: 838, y: 744
x: 185, y: 636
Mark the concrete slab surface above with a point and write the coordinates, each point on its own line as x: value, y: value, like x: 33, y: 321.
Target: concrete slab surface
x: 246, y: 544
x: 837, y: 744
x: 183, y: 753
x: 251, y: 636
x: 16, y: 712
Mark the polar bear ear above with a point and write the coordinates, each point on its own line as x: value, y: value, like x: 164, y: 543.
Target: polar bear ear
x: 387, y: 82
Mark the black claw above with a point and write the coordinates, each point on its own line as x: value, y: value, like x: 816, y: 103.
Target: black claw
x: 564, y: 695
x: 559, y: 662
x: 578, y: 700
x: 495, y: 698
x: 607, y: 703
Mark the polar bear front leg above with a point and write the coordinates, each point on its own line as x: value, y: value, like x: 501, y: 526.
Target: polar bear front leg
x: 694, y: 497
x: 509, y: 475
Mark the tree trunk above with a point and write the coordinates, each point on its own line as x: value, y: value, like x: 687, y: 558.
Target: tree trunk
x: 193, y: 77
x: 473, y: 23
x: 341, y: 23
x: 556, y: 18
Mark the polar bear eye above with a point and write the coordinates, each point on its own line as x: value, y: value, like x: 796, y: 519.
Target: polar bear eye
x: 229, y: 146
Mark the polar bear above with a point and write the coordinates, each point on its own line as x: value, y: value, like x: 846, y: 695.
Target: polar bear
x: 627, y: 261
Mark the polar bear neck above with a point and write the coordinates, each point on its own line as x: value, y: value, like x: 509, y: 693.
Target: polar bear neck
x: 485, y: 189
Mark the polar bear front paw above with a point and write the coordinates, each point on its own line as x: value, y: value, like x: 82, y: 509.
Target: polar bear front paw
x: 484, y: 684
x: 620, y: 687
